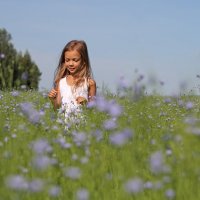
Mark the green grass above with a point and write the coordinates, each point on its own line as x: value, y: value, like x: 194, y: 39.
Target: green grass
x: 157, y: 126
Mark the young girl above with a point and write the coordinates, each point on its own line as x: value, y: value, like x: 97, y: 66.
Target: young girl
x: 73, y: 82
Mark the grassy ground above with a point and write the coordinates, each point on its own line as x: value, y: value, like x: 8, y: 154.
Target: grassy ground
x: 126, y: 148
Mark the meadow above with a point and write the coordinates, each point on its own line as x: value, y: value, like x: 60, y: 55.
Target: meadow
x: 126, y: 146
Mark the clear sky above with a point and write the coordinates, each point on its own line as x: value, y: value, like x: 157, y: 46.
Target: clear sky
x: 159, y: 38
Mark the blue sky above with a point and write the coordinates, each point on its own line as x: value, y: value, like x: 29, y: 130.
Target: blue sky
x: 159, y: 38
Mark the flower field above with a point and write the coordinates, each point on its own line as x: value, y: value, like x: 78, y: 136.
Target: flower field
x: 122, y: 148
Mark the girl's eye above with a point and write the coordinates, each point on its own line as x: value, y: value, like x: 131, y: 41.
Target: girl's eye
x: 75, y: 60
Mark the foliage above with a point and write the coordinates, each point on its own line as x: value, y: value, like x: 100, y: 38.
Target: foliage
x: 126, y: 149
x: 16, y: 69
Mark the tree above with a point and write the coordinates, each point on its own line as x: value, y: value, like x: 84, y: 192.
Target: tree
x: 16, y: 68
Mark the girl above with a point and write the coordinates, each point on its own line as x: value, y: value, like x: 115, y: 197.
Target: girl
x: 73, y: 82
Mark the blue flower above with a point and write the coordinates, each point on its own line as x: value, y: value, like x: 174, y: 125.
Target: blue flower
x: 29, y: 111
x: 120, y: 138
x: 17, y: 182
x: 82, y: 194
x: 134, y: 186
x: 73, y: 172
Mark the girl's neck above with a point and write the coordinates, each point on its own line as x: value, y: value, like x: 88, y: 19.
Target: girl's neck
x: 70, y: 79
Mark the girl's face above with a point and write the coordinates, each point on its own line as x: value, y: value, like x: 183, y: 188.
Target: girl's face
x: 72, y: 61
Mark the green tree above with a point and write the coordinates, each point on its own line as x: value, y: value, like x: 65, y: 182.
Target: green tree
x: 16, y: 68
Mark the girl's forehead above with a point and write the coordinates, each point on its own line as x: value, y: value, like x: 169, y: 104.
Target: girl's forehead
x: 72, y: 54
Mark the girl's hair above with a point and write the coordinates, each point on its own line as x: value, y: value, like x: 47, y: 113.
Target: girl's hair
x: 85, y: 70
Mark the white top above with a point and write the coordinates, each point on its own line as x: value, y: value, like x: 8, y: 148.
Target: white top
x: 68, y: 96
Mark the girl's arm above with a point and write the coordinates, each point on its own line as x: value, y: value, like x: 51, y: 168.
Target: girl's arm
x: 55, y: 97
x: 91, y: 93
x: 92, y: 89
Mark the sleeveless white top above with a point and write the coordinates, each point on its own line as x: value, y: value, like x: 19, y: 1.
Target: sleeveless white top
x: 68, y: 96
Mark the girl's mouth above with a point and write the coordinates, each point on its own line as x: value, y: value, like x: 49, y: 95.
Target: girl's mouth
x: 71, y: 68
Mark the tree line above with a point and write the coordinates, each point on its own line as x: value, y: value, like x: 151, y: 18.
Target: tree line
x: 17, y: 69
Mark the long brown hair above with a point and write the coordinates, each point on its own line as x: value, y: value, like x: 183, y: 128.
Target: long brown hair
x: 85, y: 70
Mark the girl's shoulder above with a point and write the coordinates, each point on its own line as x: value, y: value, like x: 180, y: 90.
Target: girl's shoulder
x: 91, y: 82
x: 63, y: 79
x: 62, y: 82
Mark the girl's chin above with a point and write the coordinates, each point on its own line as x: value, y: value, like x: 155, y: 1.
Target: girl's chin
x: 72, y: 71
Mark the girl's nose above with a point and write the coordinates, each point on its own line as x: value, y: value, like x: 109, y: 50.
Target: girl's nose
x: 71, y: 62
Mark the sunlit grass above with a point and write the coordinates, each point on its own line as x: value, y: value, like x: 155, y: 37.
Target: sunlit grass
x: 148, y: 151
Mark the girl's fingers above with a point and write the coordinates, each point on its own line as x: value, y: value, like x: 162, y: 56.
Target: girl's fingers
x: 52, y: 93
x: 81, y: 100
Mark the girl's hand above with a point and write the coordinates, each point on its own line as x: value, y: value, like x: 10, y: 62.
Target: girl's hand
x: 81, y: 100
x: 52, y: 94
